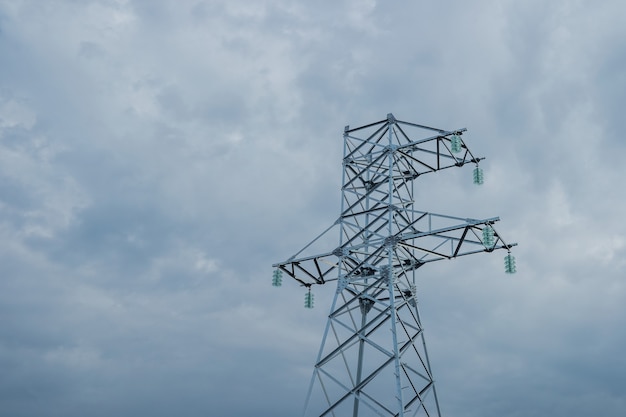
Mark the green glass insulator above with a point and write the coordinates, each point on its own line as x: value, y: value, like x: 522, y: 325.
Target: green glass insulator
x: 455, y: 144
x: 478, y: 176
x: 509, y: 264
x: 489, y: 237
x: 277, y: 279
x: 308, y: 300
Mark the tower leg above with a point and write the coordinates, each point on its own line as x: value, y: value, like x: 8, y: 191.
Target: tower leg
x: 365, y: 306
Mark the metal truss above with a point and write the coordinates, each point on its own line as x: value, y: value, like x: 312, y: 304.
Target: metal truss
x: 373, y: 359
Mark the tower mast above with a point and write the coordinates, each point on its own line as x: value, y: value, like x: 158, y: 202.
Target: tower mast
x: 373, y: 359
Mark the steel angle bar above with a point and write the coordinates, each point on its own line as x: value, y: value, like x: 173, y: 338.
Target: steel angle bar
x: 365, y: 381
x: 356, y: 297
x: 410, y: 343
x: 365, y: 394
x: 360, y: 201
x: 349, y: 312
x: 347, y: 322
x: 378, y: 206
x: 425, y: 365
x: 295, y: 269
x: 422, y: 249
x: 350, y: 261
x: 304, y: 259
x: 457, y: 160
x: 411, y: 401
x: 461, y: 240
x: 363, y: 161
x: 382, y: 129
x: 318, y: 279
x: 416, y: 372
x: 369, y: 256
x: 495, y: 246
x: 348, y: 130
x: 292, y: 273
x: 404, y: 323
x: 381, y: 317
x: 351, y: 340
x: 442, y: 135
x: 415, y: 330
x: 359, y: 246
x: 507, y: 246
x: 421, y: 397
x: 403, y: 166
x: 408, y: 224
x: 379, y: 139
x: 414, y: 147
x: 339, y: 317
x: 349, y: 392
x: 446, y: 229
x: 411, y: 157
x: 441, y: 131
x: 375, y: 372
x: 367, y: 161
x: 343, y: 357
x: 377, y: 346
x: 438, y: 255
x: 464, y: 219
x: 292, y: 258
x: 368, y: 211
x: 319, y: 377
x: 359, y: 175
x: 370, y: 189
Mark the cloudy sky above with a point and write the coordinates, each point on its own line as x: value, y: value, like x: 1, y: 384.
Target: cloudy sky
x: 157, y: 156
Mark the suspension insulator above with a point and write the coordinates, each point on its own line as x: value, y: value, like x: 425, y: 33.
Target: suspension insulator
x: 277, y: 279
x: 489, y: 237
x: 509, y: 264
x: 308, y: 299
x: 478, y: 176
x: 455, y: 144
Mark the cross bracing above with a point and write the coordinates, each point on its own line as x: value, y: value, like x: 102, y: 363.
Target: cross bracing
x: 373, y: 358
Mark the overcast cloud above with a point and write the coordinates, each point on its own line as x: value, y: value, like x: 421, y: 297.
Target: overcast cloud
x: 157, y: 156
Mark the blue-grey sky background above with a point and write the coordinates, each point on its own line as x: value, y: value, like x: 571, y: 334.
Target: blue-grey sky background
x: 157, y: 156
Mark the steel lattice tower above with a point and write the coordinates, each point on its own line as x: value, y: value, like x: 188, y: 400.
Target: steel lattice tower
x: 373, y: 359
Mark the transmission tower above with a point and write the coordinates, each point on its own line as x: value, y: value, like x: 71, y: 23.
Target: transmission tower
x: 373, y: 359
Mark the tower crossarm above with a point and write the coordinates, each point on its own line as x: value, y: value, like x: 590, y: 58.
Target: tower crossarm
x: 420, y: 156
x: 415, y: 244
x: 449, y: 242
x: 434, y: 153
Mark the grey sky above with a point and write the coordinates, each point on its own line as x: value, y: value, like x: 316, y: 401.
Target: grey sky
x: 156, y: 157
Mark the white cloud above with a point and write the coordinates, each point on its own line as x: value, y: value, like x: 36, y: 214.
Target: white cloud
x: 15, y: 114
